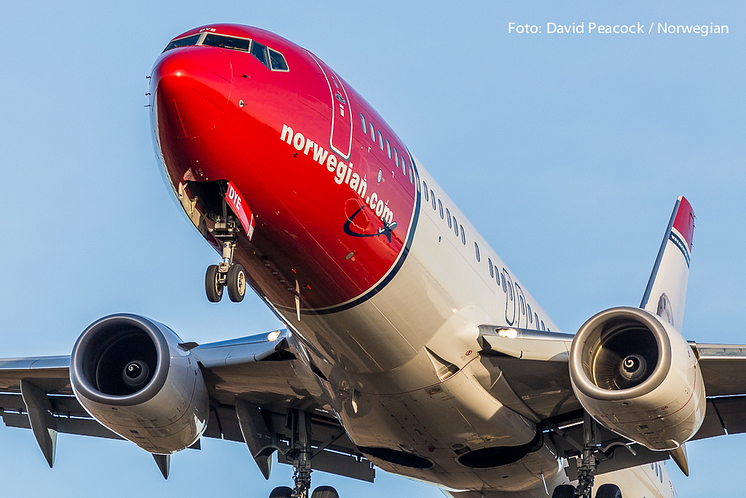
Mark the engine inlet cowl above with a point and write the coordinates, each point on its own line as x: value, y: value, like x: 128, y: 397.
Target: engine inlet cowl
x: 131, y: 375
x: 620, y: 353
x: 634, y: 373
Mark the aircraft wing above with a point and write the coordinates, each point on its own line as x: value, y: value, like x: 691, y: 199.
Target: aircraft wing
x: 724, y: 373
x: 242, y: 374
x: 535, y: 366
x: 612, y: 348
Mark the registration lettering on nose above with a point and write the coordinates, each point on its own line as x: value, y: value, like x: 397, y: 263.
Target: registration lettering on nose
x: 235, y: 200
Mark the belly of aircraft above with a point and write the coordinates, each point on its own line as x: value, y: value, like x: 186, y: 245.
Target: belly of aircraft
x: 409, y: 422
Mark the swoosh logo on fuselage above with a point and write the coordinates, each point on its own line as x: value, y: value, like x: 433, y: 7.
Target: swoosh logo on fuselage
x: 385, y: 230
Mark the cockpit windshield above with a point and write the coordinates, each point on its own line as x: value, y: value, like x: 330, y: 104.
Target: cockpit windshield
x: 271, y: 58
x: 183, y: 42
x: 220, y: 41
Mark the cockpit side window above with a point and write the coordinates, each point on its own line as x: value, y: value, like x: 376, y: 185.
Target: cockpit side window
x: 277, y: 60
x: 183, y: 42
x: 220, y: 41
x: 260, y: 52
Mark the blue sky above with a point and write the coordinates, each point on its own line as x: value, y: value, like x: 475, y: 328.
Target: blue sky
x: 566, y: 151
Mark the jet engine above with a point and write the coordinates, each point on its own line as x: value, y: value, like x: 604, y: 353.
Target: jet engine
x: 635, y: 374
x: 131, y: 375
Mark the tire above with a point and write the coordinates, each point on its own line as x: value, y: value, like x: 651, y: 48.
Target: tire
x: 609, y: 491
x: 213, y: 287
x: 564, y: 491
x: 281, y: 492
x: 236, y: 283
x: 325, y: 492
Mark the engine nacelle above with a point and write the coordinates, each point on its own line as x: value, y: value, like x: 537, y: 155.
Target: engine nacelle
x: 635, y: 374
x: 131, y: 375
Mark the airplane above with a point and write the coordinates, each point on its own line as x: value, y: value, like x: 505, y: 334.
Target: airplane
x: 409, y: 344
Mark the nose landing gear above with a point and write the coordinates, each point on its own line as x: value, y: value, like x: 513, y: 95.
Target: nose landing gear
x: 226, y: 274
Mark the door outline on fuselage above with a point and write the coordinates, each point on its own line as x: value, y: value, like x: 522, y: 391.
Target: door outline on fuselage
x: 521, y: 303
x: 509, y: 297
x: 341, y: 113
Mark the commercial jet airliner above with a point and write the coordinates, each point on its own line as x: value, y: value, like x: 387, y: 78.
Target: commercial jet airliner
x: 408, y: 344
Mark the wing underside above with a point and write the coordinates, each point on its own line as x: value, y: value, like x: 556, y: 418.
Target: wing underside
x: 534, y: 365
x: 249, y: 379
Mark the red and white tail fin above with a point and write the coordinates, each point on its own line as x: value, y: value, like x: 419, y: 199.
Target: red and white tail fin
x: 666, y: 291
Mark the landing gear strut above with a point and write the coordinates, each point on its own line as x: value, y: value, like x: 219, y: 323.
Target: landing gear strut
x: 587, y: 467
x: 301, y: 452
x: 226, y: 274
x: 589, y: 454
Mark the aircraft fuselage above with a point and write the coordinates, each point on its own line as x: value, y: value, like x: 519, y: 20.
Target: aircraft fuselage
x: 352, y: 235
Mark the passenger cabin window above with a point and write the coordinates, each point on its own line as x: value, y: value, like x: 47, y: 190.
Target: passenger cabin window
x: 476, y: 249
x: 440, y: 208
x: 492, y: 270
x: 432, y: 198
x: 220, y: 41
x: 463, y: 235
x: 396, y: 157
x: 277, y: 61
x: 372, y: 131
x: 448, y: 217
x: 536, y: 319
x: 362, y: 120
x: 424, y: 187
x: 497, y: 276
x: 411, y: 175
x: 260, y: 52
x: 404, y: 167
x: 380, y: 139
x: 455, y: 226
x: 388, y: 148
x: 183, y: 42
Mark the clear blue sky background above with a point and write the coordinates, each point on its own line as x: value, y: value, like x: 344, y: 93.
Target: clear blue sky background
x: 566, y: 151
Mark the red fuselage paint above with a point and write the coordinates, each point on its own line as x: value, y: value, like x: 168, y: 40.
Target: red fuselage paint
x: 334, y: 200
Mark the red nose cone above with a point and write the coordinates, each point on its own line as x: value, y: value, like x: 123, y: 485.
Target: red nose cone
x: 193, y: 88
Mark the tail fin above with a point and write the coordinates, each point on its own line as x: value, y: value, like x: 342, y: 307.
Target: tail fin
x: 666, y: 290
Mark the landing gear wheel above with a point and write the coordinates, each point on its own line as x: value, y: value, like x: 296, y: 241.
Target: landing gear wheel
x: 564, y: 491
x: 213, y: 287
x: 236, y: 283
x: 281, y: 492
x: 609, y: 491
x: 325, y: 492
